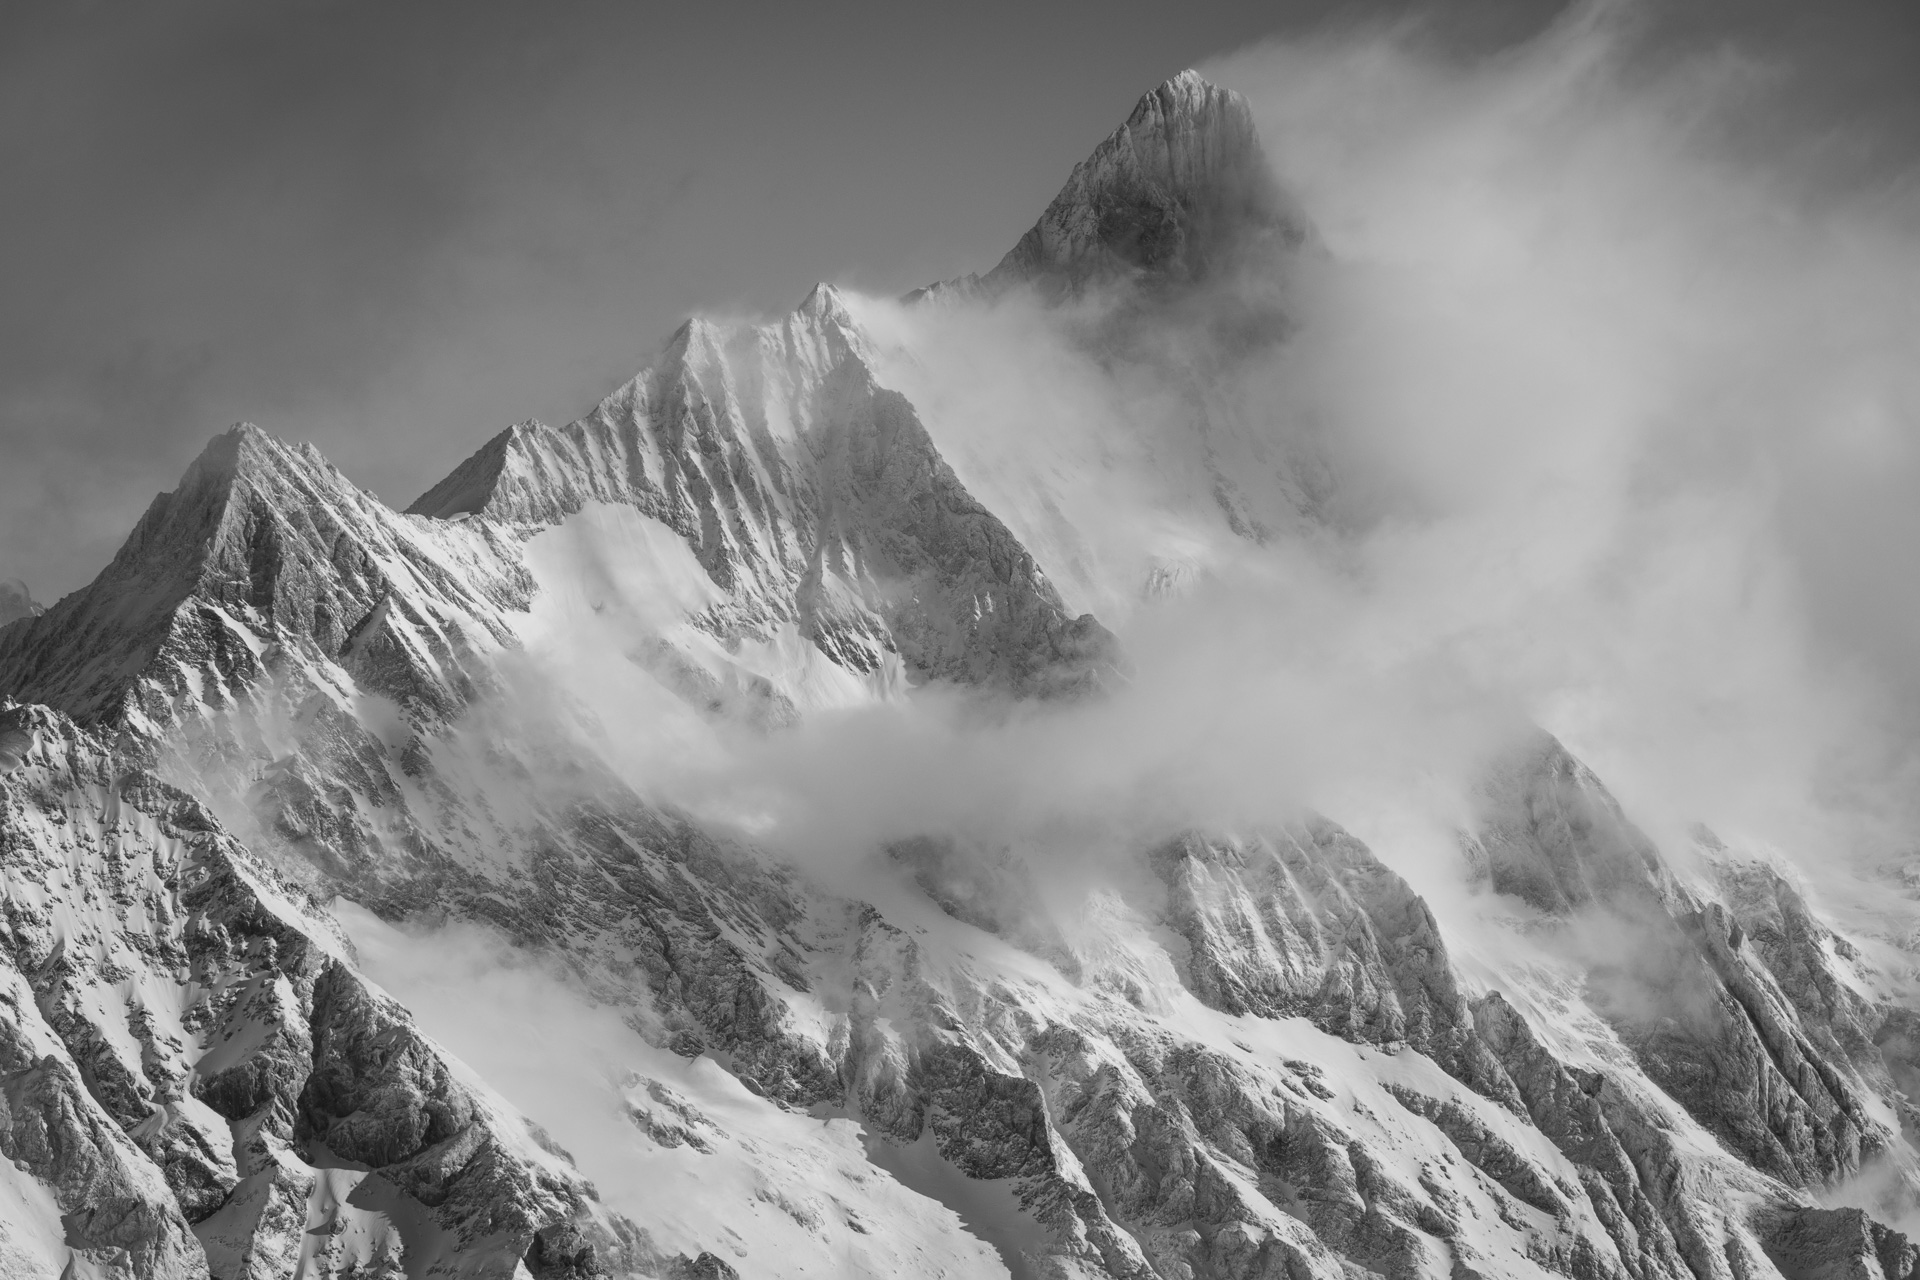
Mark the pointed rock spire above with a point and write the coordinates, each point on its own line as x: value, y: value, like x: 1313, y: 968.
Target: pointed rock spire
x: 1177, y: 191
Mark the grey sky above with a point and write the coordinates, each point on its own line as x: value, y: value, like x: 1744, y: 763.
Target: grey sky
x: 393, y: 228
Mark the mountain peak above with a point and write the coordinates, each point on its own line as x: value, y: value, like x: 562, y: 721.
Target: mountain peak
x: 247, y: 452
x: 227, y: 452
x: 1188, y: 92
x: 821, y: 300
x: 261, y: 543
x: 1180, y: 188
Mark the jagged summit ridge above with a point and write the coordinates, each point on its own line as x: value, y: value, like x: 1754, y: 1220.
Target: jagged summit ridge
x: 264, y: 553
x: 811, y: 495
x: 533, y: 473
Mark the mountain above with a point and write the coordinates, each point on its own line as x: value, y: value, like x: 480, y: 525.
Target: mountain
x: 812, y: 497
x: 289, y: 734
x: 1171, y: 257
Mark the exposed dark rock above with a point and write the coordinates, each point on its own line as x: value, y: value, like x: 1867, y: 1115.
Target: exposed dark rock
x: 1181, y: 191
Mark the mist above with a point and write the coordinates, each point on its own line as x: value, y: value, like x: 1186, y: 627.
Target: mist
x: 1632, y: 402
x: 1588, y: 414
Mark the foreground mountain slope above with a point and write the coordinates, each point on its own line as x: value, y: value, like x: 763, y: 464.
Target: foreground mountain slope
x: 199, y: 1080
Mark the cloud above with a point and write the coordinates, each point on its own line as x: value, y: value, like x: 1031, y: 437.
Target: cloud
x: 1597, y: 418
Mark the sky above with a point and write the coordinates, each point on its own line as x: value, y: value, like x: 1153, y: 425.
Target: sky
x: 394, y: 229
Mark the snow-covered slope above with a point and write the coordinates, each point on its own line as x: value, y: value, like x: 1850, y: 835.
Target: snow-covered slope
x: 1231, y: 1051
x: 197, y: 1077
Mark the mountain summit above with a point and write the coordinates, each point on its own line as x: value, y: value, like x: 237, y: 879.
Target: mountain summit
x: 1180, y: 189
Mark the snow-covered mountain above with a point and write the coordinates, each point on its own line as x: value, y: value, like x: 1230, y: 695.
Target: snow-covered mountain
x: 290, y: 734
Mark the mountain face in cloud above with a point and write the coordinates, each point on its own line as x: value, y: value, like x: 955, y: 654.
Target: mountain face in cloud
x: 1180, y: 191
x: 719, y: 838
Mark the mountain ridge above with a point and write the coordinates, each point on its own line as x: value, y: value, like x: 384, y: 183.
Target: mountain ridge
x: 1247, y: 1052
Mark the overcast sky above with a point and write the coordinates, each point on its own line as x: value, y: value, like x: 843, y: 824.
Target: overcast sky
x: 392, y: 229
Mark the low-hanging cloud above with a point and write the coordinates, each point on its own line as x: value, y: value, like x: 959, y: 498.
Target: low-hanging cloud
x: 1633, y: 405
x: 1598, y: 420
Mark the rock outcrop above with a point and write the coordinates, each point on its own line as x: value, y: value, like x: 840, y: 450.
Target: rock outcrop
x: 1755, y: 1034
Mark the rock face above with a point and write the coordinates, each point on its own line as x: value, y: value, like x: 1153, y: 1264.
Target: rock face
x: 1735, y: 1008
x: 1180, y: 192
x: 265, y: 558
x: 1251, y: 1053
x: 194, y: 1070
x: 814, y: 500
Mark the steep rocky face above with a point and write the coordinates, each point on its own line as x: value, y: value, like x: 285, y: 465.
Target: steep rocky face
x: 1310, y: 924
x: 1735, y: 1008
x: 266, y: 560
x: 1179, y: 192
x: 199, y: 1082
x: 812, y: 497
x: 285, y: 644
